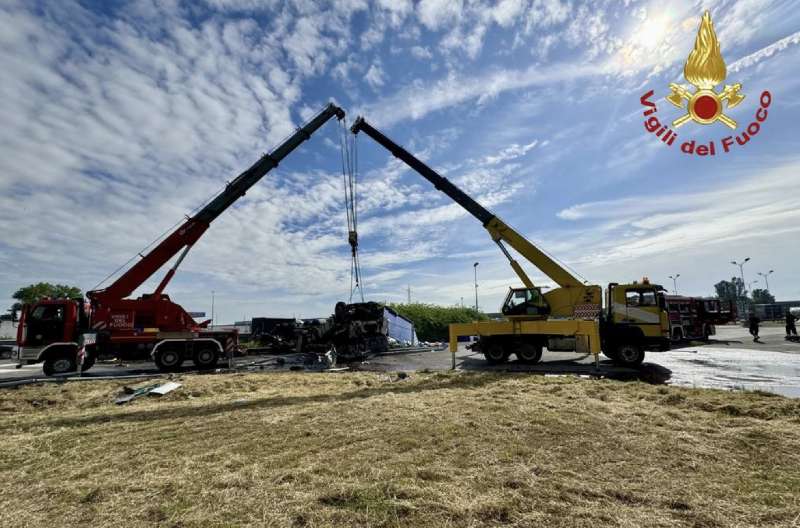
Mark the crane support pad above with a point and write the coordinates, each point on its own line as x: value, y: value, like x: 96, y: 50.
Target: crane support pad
x: 587, y: 333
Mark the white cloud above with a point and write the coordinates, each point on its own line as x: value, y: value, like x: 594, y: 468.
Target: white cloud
x: 375, y: 76
x: 765, y: 52
x: 638, y: 226
x: 510, y: 152
x: 398, y: 10
x: 470, y: 40
x: 437, y: 13
x: 421, y: 52
x: 506, y: 12
x: 418, y: 99
x: 546, y: 13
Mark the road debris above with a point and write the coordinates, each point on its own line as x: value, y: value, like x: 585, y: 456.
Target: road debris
x: 165, y: 388
x: 157, y: 389
x: 129, y: 393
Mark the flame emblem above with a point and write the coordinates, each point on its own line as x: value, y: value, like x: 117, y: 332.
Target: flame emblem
x: 705, y: 69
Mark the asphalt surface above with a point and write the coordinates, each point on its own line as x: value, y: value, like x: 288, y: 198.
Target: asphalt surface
x: 729, y: 360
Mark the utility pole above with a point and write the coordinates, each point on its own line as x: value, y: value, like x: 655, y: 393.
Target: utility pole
x: 766, y: 277
x: 675, y: 282
x: 409, y: 294
x: 475, y: 267
x: 744, y: 284
x: 462, y: 301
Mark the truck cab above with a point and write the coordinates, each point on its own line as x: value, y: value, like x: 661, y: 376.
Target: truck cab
x: 49, y: 331
x: 635, y: 318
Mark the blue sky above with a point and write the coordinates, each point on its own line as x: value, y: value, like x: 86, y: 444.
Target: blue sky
x: 120, y: 117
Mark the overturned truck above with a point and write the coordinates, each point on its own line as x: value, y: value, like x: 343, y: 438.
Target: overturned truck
x: 354, y: 332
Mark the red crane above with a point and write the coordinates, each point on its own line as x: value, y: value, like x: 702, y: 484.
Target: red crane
x: 110, y: 324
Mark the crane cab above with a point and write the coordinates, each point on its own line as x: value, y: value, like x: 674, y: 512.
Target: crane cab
x: 527, y: 303
x: 636, y: 313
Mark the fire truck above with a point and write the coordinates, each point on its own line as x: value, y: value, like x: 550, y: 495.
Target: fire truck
x: 697, y: 317
x: 66, y: 334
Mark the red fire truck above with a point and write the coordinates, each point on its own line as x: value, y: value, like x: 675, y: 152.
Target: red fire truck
x: 67, y: 333
x: 697, y: 317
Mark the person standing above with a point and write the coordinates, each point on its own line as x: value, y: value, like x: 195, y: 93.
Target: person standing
x: 754, y: 321
x: 791, y: 329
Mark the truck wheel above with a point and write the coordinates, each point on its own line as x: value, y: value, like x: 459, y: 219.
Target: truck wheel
x: 168, y: 359
x: 610, y: 353
x: 60, y: 364
x: 529, y: 353
x: 88, y: 362
x: 205, y: 357
x: 628, y: 355
x: 495, y: 353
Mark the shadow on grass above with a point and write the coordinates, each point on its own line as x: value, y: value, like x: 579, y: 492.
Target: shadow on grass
x: 437, y: 382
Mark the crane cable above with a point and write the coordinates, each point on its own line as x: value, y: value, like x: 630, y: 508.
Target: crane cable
x: 349, y: 152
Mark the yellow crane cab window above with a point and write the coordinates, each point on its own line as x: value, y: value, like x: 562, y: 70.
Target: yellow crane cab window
x: 641, y: 298
x: 648, y: 298
x: 632, y: 298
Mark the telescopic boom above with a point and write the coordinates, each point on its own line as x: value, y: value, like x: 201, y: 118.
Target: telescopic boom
x: 499, y: 231
x: 190, y: 231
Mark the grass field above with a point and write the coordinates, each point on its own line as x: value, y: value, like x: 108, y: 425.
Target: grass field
x: 456, y: 450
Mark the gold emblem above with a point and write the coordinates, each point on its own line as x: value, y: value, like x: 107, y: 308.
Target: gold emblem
x: 705, y: 69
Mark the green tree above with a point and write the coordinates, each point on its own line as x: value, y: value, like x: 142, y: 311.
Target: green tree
x: 431, y: 321
x: 731, y: 291
x: 35, y: 292
x: 762, y: 296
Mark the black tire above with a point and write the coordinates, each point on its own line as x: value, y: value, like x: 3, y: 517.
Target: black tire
x: 628, y: 355
x: 168, y: 358
x: 61, y: 363
x: 205, y: 356
x: 610, y: 353
x: 529, y: 353
x: 494, y: 352
x: 88, y: 362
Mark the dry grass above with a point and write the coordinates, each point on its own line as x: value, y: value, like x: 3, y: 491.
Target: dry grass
x: 432, y: 450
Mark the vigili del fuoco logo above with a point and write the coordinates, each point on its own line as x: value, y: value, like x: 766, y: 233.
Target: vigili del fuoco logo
x: 705, y: 69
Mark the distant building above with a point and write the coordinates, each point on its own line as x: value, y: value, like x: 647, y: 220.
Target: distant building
x: 774, y: 311
x: 8, y: 330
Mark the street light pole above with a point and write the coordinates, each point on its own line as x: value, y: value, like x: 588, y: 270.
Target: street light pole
x: 741, y: 269
x: 475, y: 268
x: 766, y: 277
x: 212, y: 307
x: 744, y: 284
x: 675, y: 282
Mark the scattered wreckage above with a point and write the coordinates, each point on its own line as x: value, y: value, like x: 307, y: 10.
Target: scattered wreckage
x: 354, y: 332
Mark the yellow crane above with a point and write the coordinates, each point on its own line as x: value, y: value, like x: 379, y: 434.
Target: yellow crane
x: 570, y: 317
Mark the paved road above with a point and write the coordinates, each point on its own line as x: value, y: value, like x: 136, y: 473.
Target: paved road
x: 730, y: 360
